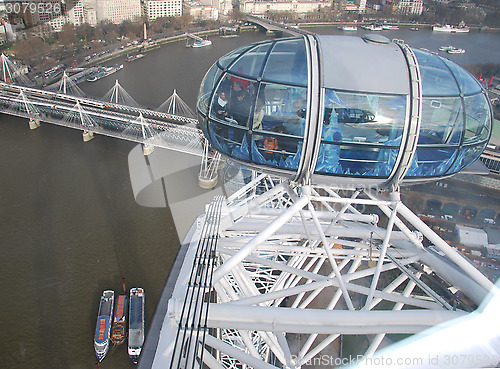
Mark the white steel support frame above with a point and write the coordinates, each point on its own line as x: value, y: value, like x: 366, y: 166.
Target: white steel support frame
x: 68, y: 87
x: 80, y: 116
x: 119, y: 96
x: 106, y: 119
x: 6, y: 74
x: 297, y: 270
x: 29, y: 108
x: 12, y: 73
x: 209, y: 167
x: 64, y: 83
x: 176, y: 106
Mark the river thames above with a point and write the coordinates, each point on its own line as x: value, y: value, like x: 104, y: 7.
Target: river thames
x: 70, y: 226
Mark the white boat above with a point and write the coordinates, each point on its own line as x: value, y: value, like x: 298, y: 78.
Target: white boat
x: 446, y: 48
x: 456, y: 51
x: 389, y: 27
x: 197, y: 41
x: 136, y: 323
x: 451, y: 29
x: 414, y: 29
x: 202, y: 43
x: 131, y: 58
x: 104, y: 72
x: 373, y: 27
x: 229, y: 32
x: 103, y: 326
x: 348, y: 28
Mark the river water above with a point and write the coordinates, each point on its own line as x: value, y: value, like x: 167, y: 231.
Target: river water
x: 69, y: 224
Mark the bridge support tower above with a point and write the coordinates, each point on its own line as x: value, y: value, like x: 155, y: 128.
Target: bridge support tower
x: 87, y: 136
x: 147, y: 149
x: 34, y: 123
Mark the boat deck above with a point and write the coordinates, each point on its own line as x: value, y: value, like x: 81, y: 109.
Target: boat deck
x: 120, y: 313
x: 136, y: 321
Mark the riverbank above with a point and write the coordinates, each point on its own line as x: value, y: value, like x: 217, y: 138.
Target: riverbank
x: 401, y: 25
x: 154, y: 44
x: 157, y: 42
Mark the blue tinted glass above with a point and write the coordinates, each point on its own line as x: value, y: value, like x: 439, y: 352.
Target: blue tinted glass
x: 431, y: 162
x: 276, y: 149
x: 442, y: 121
x: 467, y: 83
x: 241, y: 94
x: 228, y: 59
x: 356, y: 160
x: 207, y: 85
x: 216, y: 137
x: 250, y: 63
x: 365, y: 118
x: 466, y: 156
x: 229, y: 139
x: 281, y: 105
x: 220, y: 104
x: 203, y: 123
x: 437, y: 79
x: 287, y: 63
x: 477, y: 118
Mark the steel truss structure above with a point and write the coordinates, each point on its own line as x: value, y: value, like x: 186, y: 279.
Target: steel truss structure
x: 148, y: 127
x: 278, y: 274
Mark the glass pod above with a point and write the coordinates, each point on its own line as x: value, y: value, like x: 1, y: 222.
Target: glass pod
x: 345, y: 110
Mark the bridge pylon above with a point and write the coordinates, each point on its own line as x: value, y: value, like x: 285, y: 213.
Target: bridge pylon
x: 207, y: 178
x: 148, y: 135
x: 22, y: 104
x: 12, y: 72
x: 78, y: 118
x: 176, y: 106
x: 118, y: 95
x: 68, y: 87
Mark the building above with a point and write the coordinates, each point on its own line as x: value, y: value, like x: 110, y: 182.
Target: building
x: 55, y: 14
x: 3, y: 34
x: 49, y: 12
x: 472, y: 237
x: 300, y: 7
x: 202, y: 12
x: 225, y: 6
x: 57, y: 23
x: 493, y: 251
x: 163, y: 8
x: 353, y: 6
x: 13, y: 30
x: 76, y: 12
x: 90, y: 15
x: 410, y: 7
x: 117, y: 11
x: 362, y: 6
x: 491, y: 158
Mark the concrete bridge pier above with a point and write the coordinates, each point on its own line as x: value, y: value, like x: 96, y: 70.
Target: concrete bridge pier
x: 147, y: 149
x: 87, y: 136
x: 34, y: 123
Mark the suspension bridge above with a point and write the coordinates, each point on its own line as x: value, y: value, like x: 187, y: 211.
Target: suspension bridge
x: 171, y: 126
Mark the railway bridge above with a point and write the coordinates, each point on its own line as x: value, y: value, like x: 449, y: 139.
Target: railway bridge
x: 171, y: 126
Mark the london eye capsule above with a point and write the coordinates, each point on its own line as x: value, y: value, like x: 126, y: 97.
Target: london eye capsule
x: 344, y: 110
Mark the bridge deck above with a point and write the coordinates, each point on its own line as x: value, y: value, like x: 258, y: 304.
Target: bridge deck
x: 115, y: 120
